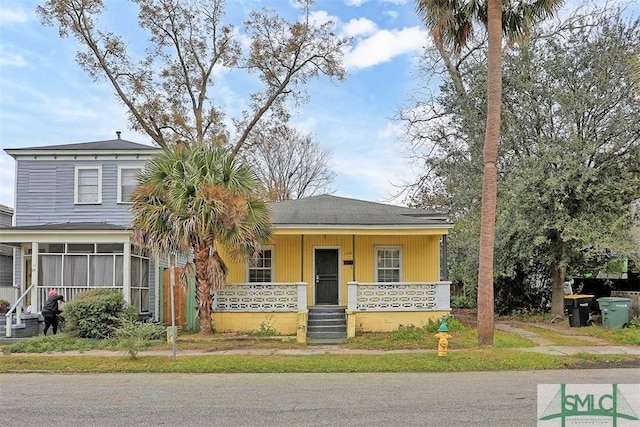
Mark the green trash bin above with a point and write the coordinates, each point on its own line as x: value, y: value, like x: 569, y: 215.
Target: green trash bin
x: 615, y: 311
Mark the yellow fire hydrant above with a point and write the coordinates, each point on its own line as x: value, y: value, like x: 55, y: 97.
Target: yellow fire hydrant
x: 443, y: 339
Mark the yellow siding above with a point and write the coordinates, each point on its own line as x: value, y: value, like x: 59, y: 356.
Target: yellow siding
x: 420, y: 259
x: 287, y: 259
x: 283, y: 323
x: 389, y: 321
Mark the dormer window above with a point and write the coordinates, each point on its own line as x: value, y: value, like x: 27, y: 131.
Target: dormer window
x: 127, y: 182
x: 88, y: 185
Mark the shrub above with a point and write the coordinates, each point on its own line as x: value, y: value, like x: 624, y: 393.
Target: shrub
x: 453, y: 324
x: 48, y: 343
x: 133, y: 336
x: 266, y: 329
x: 462, y: 301
x: 96, y: 313
x: 4, y: 306
x: 410, y: 332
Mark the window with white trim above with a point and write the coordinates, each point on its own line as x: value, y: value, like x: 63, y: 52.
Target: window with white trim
x: 127, y: 182
x: 88, y: 185
x: 140, y: 283
x: 388, y: 262
x: 260, y: 270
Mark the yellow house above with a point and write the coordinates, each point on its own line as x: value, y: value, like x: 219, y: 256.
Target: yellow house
x: 335, y: 266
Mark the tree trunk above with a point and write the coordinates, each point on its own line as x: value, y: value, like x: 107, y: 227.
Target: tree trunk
x: 558, y: 275
x: 203, y: 292
x: 490, y: 175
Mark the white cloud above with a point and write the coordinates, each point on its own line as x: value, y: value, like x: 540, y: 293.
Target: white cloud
x: 9, y: 16
x: 321, y: 17
x: 396, y: 2
x: 392, y: 14
x: 10, y: 59
x: 384, y: 45
x: 354, y: 2
x: 359, y: 27
x: 393, y: 130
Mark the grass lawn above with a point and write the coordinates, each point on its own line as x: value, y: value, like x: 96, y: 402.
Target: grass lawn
x: 464, y: 355
x: 491, y: 359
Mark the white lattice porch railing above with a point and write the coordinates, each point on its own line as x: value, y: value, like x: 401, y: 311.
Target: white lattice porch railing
x: 403, y: 296
x: 248, y: 297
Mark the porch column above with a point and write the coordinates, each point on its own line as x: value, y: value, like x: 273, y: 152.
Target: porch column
x: 352, y: 295
x: 126, y: 272
x: 156, y: 288
x: 302, y: 295
x: 35, y: 262
x: 443, y: 295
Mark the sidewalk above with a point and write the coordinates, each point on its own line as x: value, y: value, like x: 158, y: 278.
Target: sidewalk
x: 545, y: 346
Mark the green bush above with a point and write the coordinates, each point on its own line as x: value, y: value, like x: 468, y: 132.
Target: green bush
x: 453, y: 324
x: 462, y: 301
x: 266, y: 329
x: 416, y: 333
x: 133, y: 337
x: 48, y: 343
x: 96, y: 313
x: 410, y: 332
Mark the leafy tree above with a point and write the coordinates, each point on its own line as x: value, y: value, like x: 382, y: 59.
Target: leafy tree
x: 168, y: 92
x: 572, y: 137
x: 451, y: 23
x: 194, y: 201
x: 635, y: 68
x: 290, y: 164
x: 569, y: 155
x: 169, y: 95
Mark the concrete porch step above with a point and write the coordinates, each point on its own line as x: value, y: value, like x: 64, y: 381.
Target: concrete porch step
x: 327, y: 323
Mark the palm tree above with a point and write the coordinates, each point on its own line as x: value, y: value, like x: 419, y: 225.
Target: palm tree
x: 451, y: 23
x: 194, y: 201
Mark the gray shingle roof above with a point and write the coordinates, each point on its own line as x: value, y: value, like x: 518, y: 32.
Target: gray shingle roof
x: 108, y: 145
x: 327, y: 210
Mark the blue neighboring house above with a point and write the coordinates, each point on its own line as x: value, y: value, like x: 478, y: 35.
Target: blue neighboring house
x: 6, y: 256
x: 70, y: 230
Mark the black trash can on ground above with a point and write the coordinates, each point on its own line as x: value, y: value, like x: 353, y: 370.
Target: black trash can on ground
x: 577, y: 307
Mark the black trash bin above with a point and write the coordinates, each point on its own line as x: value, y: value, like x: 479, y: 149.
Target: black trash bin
x: 577, y: 307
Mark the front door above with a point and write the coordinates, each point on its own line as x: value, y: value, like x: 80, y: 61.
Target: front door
x: 327, y: 276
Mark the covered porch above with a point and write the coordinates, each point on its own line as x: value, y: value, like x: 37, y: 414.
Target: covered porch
x: 72, y: 258
x: 370, y: 306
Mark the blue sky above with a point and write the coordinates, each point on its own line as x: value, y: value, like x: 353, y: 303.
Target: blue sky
x: 46, y: 99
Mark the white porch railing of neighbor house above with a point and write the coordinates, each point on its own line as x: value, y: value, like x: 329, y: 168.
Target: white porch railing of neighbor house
x: 249, y: 297
x: 401, y: 296
x: 69, y: 292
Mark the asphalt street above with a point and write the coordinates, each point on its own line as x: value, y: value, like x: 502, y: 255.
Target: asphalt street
x: 264, y: 400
